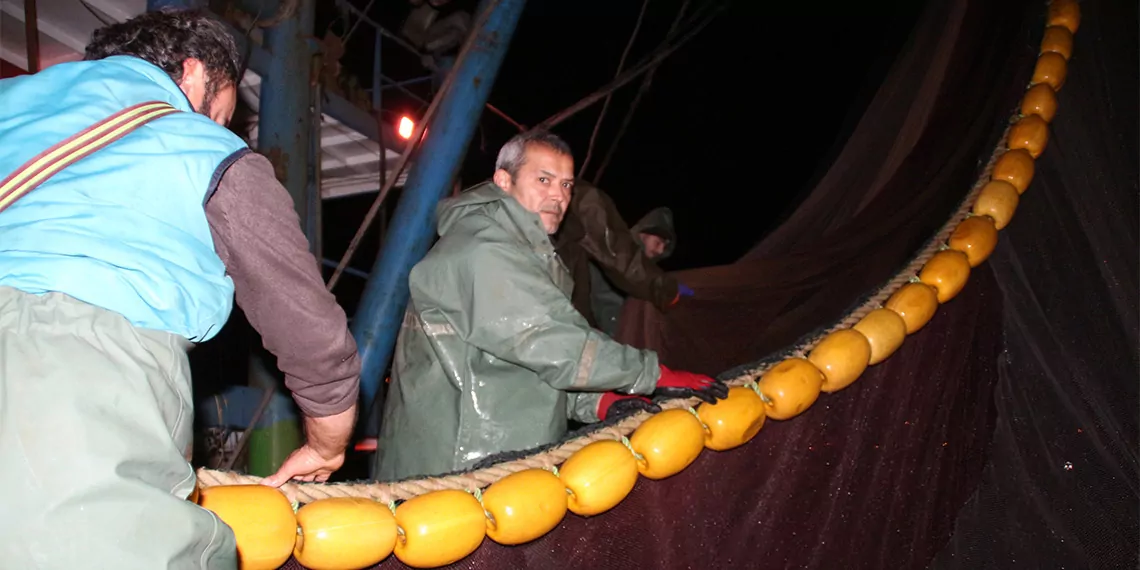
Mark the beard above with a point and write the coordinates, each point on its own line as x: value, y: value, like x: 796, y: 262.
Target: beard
x: 554, y: 211
x: 212, y: 88
x: 551, y: 221
x: 207, y: 106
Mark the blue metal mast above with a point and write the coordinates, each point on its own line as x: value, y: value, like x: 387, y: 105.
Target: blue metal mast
x: 285, y: 111
x: 381, y: 309
x: 283, y: 119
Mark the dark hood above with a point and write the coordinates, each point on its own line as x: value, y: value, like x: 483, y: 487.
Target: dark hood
x: 658, y: 222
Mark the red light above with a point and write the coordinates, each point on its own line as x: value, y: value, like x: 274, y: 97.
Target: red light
x: 406, y: 128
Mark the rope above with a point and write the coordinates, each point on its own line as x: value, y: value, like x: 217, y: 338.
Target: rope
x: 551, y: 458
x: 609, y: 97
x: 650, y: 62
x: 646, y: 81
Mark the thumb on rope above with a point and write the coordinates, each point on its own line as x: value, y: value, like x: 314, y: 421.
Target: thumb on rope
x: 305, y: 464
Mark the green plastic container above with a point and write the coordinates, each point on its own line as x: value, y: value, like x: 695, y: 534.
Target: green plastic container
x: 270, y: 445
x: 277, y: 432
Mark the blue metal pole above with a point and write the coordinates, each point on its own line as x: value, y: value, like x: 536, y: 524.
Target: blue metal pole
x: 398, y: 84
x: 442, y: 67
x: 284, y: 130
x: 335, y: 105
x: 381, y: 309
x: 314, y: 218
x: 377, y: 83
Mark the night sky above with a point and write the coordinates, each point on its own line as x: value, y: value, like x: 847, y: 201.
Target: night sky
x: 736, y: 126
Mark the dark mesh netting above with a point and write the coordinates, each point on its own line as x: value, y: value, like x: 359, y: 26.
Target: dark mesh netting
x: 1004, y: 433
x: 1060, y: 489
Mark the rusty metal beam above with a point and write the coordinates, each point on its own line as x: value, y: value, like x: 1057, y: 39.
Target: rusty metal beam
x: 32, y: 35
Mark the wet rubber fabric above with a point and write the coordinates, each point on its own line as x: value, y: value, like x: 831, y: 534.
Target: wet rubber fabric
x: 492, y: 356
x: 96, y: 425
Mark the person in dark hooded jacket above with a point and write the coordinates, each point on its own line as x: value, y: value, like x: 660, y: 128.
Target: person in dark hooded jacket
x: 656, y: 238
x: 599, y: 249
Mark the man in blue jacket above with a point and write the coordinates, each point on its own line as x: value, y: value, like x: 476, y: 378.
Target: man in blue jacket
x: 112, y: 264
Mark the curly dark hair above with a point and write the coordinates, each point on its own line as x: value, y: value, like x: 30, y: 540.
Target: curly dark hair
x: 169, y: 37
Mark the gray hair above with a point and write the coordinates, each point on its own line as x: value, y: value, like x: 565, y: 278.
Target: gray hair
x: 513, y: 154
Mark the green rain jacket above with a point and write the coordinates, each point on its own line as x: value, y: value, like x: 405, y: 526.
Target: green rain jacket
x: 492, y: 356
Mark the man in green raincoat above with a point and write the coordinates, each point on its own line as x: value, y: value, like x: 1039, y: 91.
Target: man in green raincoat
x: 492, y: 356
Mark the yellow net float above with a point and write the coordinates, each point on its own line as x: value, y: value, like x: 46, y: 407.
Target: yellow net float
x: 1051, y: 69
x: 523, y: 506
x: 947, y: 271
x: 667, y: 443
x: 790, y: 387
x: 998, y: 200
x: 1031, y: 133
x: 841, y: 356
x: 598, y: 476
x: 733, y: 421
x: 1040, y: 100
x: 885, y: 331
x: 976, y: 236
x: 1065, y: 13
x: 1016, y: 167
x: 439, y: 528
x: 262, y: 520
x: 344, y: 533
x: 1059, y: 40
x: 916, y: 303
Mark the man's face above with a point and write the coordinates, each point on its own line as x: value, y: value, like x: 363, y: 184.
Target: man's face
x: 205, y: 96
x: 543, y: 184
x: 654, y: 245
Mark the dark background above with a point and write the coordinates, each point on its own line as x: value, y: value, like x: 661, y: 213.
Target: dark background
x: 736, y: 124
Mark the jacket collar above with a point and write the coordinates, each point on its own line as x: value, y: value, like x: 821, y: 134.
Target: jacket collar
x: 510, y: 213
x: 176, y: 97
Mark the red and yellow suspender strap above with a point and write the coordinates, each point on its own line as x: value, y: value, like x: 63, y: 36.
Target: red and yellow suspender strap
x: 46, y: 164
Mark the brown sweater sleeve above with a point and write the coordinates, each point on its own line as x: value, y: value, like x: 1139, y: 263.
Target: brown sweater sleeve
x: 278, y: 285
x: 609, y: 243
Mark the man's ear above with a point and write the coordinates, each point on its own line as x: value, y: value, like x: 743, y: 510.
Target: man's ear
x: 502, y: 178
x: 193, y: 82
